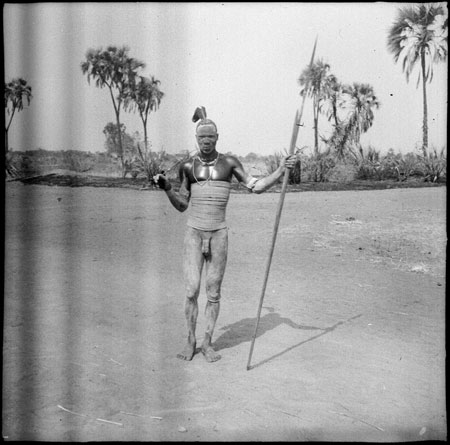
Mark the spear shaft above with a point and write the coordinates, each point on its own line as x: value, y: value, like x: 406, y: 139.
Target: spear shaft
x: 297, y: 123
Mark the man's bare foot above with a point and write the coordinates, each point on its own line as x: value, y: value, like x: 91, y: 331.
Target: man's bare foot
x: 188, y: 352
x: 210, y: 354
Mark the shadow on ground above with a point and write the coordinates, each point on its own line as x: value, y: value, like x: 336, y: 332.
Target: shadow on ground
x: 243, y: 331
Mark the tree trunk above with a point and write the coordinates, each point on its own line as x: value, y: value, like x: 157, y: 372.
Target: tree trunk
x: 120, y: 144
x: 7, y: 129
x: 148, y: 157
x: 316, y: 135
x: 144, y: 122
x: 316, y: 127
x: 425, y: 107
x: 117, y: 112
x: 336, y: 121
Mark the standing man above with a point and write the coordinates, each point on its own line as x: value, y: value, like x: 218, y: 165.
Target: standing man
x: 205, y: 189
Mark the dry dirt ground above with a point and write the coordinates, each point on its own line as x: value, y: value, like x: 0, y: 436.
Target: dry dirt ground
x: 350, y: 347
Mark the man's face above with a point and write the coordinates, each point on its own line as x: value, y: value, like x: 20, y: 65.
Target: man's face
x: 207, y: 137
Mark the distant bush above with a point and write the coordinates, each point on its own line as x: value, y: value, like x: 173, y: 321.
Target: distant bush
x: 343, y: 172
x: 434, y: 165
x: 78, y: 161
x: 322, y: 167
x: 318, y: 167
x: 42, y: 161
x: 401, y: 167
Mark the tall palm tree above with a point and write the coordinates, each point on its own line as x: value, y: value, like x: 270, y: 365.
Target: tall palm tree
x: 313, y: 80
x: 341, y: 130
x: 361, y: 101
x: 333, y: 93
x: 16, y: 92
x: 117, y: 71
x: 420, y: 34
x: 146, y: 97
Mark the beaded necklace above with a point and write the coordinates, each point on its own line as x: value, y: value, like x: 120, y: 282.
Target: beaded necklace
x: 210, y: 164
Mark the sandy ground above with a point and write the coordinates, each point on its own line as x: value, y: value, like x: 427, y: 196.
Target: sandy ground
x: 350, y: 347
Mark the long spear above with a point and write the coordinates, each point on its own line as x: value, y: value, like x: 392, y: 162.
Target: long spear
x: 297, y: 123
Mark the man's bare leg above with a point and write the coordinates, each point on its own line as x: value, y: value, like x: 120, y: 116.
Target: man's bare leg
x: 215, y: 269
x: 191, y: 312
x: 211, y: 312
x: 193, y: 261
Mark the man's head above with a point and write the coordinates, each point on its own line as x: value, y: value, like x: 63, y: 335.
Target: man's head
x: 207, y: 136
x: 205, y: 121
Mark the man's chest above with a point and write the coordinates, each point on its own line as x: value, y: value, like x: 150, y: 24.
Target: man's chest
x: 220, y: 171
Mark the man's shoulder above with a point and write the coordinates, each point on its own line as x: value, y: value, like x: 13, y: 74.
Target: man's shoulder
x: 187, y: 162
x: 185, y: 168
x: 230, y: 158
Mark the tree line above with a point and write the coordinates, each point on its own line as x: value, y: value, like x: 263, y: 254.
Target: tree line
x: 418, y: 37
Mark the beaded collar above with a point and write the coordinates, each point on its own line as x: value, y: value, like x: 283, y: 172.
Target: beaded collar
x: 207, y: 163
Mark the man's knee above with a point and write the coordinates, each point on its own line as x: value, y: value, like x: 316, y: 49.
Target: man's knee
x: 192, y: 292
x: 213, y: 286
x: 213, y: 297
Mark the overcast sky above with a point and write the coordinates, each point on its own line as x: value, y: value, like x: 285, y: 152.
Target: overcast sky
x: 239, y: 60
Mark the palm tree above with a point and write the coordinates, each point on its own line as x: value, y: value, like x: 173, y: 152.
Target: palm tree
x: 334, y: 101
x: 114, y: 69
x: 146, y: 97
x: 16, y: 92
x: 419, y: 34
x: 361, y: 101
x: 313, y: 80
